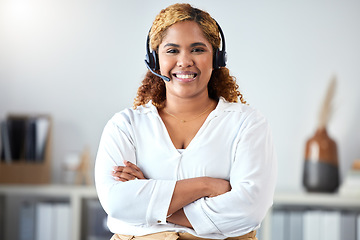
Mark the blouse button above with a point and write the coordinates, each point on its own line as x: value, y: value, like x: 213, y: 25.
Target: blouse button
x: 158, y: 221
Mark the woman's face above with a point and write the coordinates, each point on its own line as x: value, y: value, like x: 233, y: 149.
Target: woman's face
x: 186, y: 57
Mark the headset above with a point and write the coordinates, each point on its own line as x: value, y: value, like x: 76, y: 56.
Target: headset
x: 152, y: 59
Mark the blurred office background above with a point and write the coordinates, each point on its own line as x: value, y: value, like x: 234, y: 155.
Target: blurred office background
x: 82, y: 61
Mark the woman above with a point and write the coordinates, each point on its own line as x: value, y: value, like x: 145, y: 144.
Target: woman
x: 189, y: 161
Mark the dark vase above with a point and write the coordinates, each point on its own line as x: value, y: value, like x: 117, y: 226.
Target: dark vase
x: 321, y: 168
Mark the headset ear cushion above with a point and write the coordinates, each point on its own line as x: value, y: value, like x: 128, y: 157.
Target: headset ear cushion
x: 151, y: 60
x: 221, y: 59
x: 215, y: 59
x: 155, y: 65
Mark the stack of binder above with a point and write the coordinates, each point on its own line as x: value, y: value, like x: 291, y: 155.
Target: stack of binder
x: 24, y: 138
x: 25, y: 143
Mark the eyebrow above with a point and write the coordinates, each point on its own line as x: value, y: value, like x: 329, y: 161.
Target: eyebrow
x: 198, y: 44
x: 171, y: 45
x: 192, y: 45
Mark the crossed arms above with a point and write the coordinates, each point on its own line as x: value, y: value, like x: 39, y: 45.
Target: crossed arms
x: 186, y: 191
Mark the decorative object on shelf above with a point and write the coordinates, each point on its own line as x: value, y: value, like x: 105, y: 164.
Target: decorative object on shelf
x: 77, y: 167
x: 321, y: 167
x: 351, y: 184
x: 70, y: 166
x: 83, y: 174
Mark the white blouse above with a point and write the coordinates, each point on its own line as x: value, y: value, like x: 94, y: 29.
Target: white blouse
x: 234, y: 143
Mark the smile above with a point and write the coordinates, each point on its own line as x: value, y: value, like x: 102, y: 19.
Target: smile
x: 185, y: 76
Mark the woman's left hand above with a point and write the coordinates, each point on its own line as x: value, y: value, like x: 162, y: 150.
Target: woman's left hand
x: 128, y: 172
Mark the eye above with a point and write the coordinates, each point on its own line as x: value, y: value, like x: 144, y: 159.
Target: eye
x: 172, y: 51
x: 198, y: 50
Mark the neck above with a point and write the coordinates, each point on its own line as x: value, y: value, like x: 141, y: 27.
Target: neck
x: 188, y: 106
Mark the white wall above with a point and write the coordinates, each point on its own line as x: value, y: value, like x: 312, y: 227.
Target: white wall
x: 81, y: 61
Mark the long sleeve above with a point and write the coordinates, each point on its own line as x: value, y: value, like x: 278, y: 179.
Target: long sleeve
x: 252, y: 177
x: 138, y: 202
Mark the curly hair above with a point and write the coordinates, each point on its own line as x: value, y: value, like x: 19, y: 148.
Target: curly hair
x: 221, y: 84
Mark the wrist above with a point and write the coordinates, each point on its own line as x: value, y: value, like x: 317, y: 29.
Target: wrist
x: 179, y: 218
x: 205, y: 186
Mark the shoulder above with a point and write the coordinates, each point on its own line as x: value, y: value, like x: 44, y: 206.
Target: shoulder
x: 239, y: 110
x: 130, y: 115
x: 241, y: 116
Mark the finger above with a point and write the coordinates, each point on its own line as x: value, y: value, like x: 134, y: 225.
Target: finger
x: 130, y: 164
x: 120, y: 173
x: 126, y: 176
x: 123, y: 180
x: 139, y: 174
x: 129, y: 168
x: 117, y: 177
x: 116, y: 173
x: 118, y: 168
x: 136, y: 174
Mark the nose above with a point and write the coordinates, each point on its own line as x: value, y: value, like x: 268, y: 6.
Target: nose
x: 185, y: 60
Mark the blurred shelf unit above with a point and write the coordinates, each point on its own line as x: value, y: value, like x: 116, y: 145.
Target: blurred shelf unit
x: 36, y: 212
x: 25, y: 149
x: 305, y: 216
x: 292, y: 217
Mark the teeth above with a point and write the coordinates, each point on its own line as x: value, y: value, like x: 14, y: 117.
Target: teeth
x: 185, y: 76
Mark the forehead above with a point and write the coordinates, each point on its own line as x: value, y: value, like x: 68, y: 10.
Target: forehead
x: 183, y: 33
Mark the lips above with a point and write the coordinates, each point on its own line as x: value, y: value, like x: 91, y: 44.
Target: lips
x: 185, y: 76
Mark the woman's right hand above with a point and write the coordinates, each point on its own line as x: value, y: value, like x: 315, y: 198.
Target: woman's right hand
x: 128, y: 172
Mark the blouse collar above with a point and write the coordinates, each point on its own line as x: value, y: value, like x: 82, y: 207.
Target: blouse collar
x: 222, y: 106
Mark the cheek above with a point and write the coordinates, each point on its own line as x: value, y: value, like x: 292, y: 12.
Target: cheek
x: 165, y: 65
x: 206, y: 62
x: 207, y: 67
